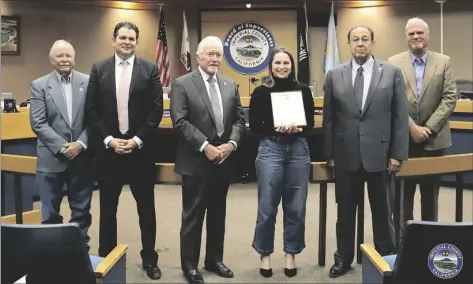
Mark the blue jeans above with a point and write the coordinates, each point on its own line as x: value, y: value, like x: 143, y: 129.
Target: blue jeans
x: 282, y: 168
x: 79, y: 184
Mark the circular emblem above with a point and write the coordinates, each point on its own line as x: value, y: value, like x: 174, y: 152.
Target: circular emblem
x: 247, y: 46
x: 445, y: 261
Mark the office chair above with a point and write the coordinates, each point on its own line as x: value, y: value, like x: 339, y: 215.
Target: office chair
x: 430, y: 252
x: 45, y: 254
x: 18, y: 258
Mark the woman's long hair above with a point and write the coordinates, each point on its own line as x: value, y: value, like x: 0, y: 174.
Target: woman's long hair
x: 269, y: 81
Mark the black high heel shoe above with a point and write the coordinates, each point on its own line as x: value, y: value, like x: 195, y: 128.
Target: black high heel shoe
x: 265, y: 272
x: 290, y: 272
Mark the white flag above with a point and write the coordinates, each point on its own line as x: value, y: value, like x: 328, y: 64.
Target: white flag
x: 185, y: 49
x: 332, y: 58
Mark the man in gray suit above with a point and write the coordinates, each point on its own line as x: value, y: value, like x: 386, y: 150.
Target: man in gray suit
x: 207, y: 113
x: 366, y: 134
x: 57, y: 119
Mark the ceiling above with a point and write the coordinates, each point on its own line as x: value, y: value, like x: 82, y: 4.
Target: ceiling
x: 235, y: 4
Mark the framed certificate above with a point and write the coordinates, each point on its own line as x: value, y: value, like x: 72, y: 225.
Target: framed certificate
x: 288, y: 108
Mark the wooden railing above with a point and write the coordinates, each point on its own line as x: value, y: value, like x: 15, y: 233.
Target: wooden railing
x: 320, y: 173
x: 449, y: 164
x: 18, y: 166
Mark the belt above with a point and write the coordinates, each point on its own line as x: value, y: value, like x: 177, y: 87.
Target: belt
x: 216, y: 143
x: 125, y: 136
x: 284, y: 138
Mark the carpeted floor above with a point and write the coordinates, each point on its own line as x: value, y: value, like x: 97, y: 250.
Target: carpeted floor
x: 241, y: 217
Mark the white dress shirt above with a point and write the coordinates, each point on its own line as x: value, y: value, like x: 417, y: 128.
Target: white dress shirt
x: 367, y: 72
x: 118, y: 75
x: 66, y: 89
x: 206, y: 77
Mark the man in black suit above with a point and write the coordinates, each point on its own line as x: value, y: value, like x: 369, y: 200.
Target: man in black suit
x: 207, y: 113
x: 366, y: 134
x: 124, y: 108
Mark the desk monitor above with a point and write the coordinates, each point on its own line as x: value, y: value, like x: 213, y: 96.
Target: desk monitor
x: 9, y: 105
x: 467, y: 94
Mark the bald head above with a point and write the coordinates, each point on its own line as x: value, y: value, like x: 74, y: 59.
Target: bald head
x: 417, y: 36
x: 61, y: 56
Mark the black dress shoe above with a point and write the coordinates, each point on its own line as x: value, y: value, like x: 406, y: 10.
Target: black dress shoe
x: 153, y: 271
x: 193, y: 276
x: 338, y: 269
x: 267, y: 273
x: 290, y: 272
x: 219, y: 268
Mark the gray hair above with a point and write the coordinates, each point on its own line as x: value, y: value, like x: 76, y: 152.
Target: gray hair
x: 208, y: 41
x: 58, y: 42
x: 417, y: 19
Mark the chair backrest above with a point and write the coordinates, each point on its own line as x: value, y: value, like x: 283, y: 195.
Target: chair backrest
x: 435, y: 252
x: 45, y: 254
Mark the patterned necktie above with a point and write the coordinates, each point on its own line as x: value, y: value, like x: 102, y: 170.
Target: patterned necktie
x: 419, y: 77
x: 358, y: 88
x: 65, y: 79
x: 122, y: 97
x: 216, y: 106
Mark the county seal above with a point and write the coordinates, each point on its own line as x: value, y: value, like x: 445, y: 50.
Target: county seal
x: 445, y: 261
x: 247, y: 47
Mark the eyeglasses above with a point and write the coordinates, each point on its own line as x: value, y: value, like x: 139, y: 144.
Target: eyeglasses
x: 357, y: 40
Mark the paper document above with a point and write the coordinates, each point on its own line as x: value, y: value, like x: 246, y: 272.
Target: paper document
x: 288, y: 108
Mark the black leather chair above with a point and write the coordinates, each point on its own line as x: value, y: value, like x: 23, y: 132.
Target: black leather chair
x: 54, y: 254
x: 429, y: 253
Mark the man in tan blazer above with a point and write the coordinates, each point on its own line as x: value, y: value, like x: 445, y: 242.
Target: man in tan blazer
x: 431, y: 96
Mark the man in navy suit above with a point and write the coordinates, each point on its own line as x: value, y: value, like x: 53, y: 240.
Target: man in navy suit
x: 124, y: 107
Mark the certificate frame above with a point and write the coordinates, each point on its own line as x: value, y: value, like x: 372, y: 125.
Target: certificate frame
x: 288, y: 108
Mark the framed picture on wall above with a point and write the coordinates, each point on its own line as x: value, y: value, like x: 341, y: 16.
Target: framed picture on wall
x: 10, y: 43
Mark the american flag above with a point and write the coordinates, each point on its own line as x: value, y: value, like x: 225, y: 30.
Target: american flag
x: 162, y: 57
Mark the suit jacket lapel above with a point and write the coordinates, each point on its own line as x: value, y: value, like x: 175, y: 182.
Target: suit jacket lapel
x: 224, y: 92
x: 135, y: 73
x: 77, y: 94
x: 376, y: 74
x: 347, y: 79
x: 431, y: 64
x: 409, y: 72
x: 55, y: 90
x: 112, y: 82
x: 202, y: 90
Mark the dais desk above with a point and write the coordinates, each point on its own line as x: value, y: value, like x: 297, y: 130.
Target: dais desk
x: 18, y: 139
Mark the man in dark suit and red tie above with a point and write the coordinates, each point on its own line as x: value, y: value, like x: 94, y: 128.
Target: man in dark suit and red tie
x: 207, y: 113
x: 124, y: 107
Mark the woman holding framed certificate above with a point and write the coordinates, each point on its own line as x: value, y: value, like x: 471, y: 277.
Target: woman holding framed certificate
x: 281, y: 111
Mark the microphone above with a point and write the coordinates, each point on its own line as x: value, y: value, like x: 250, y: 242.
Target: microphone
x: 254, y: 80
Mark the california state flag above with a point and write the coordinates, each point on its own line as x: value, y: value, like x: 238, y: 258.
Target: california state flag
x: 185, y: 50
